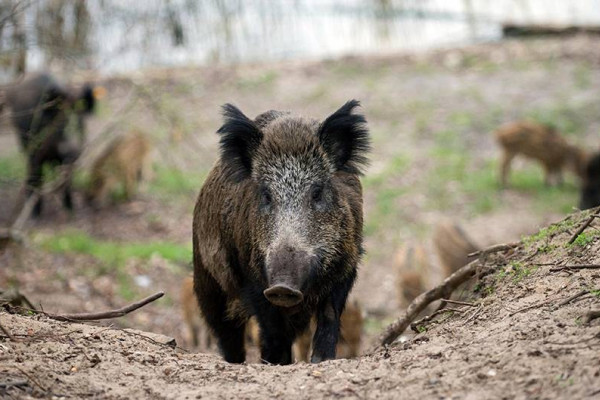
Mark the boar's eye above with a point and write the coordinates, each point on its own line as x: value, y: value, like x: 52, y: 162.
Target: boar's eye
x: 265, y: 197
x: 317, y: 193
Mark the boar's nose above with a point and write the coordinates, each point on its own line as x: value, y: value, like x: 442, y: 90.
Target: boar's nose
x: 283, y: 295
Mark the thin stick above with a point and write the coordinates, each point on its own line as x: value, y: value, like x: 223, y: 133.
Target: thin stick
x: 7, y: 332
x: 575, y: 296
x: 108, y: 314
x: 105, y: 314
x: 462, y: 303
x: 583, y: 227
x: 590, y: 315
x: 474, y: 315
x: 582, y: 266
x: 536, y: 305
x: 428, y: 318
x: 495, y: 249
x: 424, y: 299
x: 32, y: 379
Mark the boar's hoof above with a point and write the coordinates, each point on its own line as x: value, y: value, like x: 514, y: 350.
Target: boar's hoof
x: 283, y: 296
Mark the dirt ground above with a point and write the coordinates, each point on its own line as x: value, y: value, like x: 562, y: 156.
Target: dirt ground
x: 431, y: 117
x: 520, y: 341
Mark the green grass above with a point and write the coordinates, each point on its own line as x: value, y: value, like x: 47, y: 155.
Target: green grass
x: 264, y: 80
x: 172, y: 181
x: 12, y: 167
x: 563, y: 116
x: 582, y: 75
x: 113, y: 253
x: 386, y: 213
x: 583, y: 239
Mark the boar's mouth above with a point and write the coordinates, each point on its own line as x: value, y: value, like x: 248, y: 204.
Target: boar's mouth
x: 282, y: 295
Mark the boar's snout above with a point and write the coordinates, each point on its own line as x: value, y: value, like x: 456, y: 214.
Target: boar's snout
x: 287, y: 271
x: 283, y: 296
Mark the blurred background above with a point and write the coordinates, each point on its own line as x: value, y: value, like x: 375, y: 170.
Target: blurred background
x: 436, y: 78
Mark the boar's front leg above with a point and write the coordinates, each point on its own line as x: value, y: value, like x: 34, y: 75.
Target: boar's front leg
x: 276, y: 334
x: 328, y: 322
x: 213, y: 304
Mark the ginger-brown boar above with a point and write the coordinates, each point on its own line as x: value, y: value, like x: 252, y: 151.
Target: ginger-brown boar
x: 539, y: 142
x: 125, y: 161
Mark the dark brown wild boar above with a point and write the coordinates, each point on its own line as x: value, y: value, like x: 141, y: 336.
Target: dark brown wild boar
x: 49, y: 119
x: 453, y: 247
x: 539, y: 142
x: 125, y: 161
x: 413, y: 273
x: 277, y: 230
x: 590, y: 188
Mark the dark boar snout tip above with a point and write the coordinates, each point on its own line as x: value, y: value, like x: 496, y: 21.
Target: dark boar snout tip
x: 283, y: 296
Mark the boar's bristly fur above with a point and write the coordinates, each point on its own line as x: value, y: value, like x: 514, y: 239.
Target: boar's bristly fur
x: 590, y: 188
x: 277, y: 230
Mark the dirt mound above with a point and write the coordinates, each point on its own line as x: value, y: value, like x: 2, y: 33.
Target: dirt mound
x: 524, y: 336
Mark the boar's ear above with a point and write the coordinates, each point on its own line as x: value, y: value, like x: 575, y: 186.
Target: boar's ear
x: 240, y: 137
x: 345, y: 138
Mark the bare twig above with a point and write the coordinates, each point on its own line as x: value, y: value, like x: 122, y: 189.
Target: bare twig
x: 32, y: 379
x: 495, y: 249
x: 581, y: 266
x: 536, y: 305
x: 583, y: 227
x: 575, y: 296
x: 428, y: 318
x: 105, y: 314
x: 424, y: 299
x: 462, y: 303
x: 474, y: 315
x: 590, y: 315
x: 7, y: 332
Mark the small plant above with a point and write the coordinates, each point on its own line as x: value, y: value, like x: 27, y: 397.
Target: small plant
x: 583, y: 239
x: 519, y: 271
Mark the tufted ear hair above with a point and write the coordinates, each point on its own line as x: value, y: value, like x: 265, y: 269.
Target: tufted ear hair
x: 345, y: 138
x: 240, y: 137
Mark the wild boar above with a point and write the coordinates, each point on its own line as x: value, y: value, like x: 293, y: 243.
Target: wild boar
x: 49, y: 119
x: 413, y: 272
x: 277, y: 230
x: 590, y: 188
x: 453, y: 247
x: 125, y: 161
x: 539, y: 142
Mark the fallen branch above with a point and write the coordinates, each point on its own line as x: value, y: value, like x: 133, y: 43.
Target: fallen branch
x: 575, y: 296
x: 530, y: 307
x: 582, y: 266
x: 495, y: 249
x: 105, y: 314
x: 428, y: 318
x: 462, y: 303
x: 583, y: 227
x: 442, y: 291
x: 590, y: 315
x: 32, y: 379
